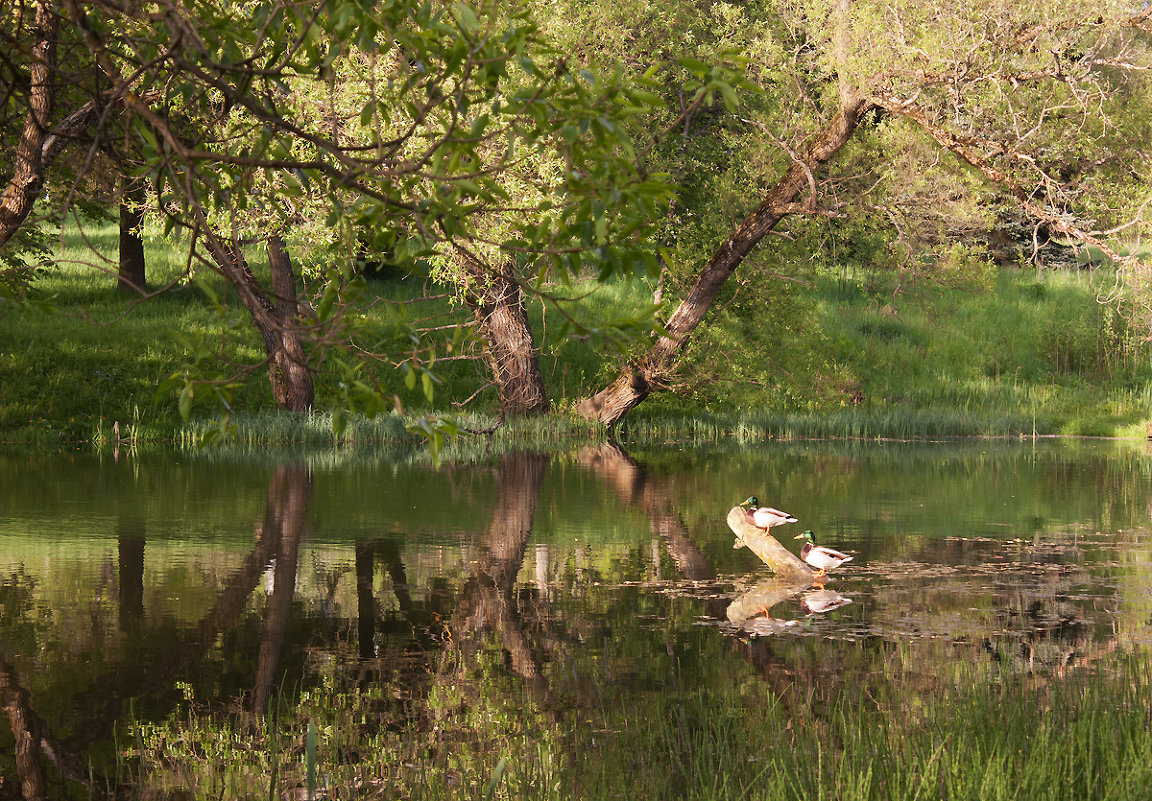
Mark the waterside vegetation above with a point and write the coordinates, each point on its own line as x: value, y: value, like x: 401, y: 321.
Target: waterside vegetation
x: 855, y: 352
x: 982, y: 733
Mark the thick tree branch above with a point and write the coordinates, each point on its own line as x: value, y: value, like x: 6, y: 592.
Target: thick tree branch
x: 972, y: 152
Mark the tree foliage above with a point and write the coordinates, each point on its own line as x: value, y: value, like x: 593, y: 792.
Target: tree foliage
x: 940, y: 120
x: 350, y: 129
x: 498, y: 146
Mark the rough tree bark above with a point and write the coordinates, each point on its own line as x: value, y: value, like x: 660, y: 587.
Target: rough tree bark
x: 275, y: 317
x: 20, y: 194
x: 639, y: 379
x: 497, y: 302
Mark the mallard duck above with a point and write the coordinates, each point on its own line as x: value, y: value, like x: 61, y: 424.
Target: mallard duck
x: 764, y: 517
x: 818, y: 556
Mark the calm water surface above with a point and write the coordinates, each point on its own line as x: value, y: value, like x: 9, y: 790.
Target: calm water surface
x: 123, y: 581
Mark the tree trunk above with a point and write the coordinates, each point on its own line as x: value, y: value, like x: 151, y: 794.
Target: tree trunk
x: 20, y: 195
x: 638, y: 380
x: 288, y: 371
x: 497, y: 302
x: 130, y: 277
x: 274, y: 317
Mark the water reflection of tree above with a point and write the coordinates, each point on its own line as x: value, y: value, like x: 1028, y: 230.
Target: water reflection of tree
x: 285, y: 518
x: 488, y: 601
x: 131, y: 532
x: 26, y: 730
x: 143, y: 671
x: 637, y: 487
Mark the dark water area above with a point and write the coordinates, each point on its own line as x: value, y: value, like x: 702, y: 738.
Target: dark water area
x: 128, y: 584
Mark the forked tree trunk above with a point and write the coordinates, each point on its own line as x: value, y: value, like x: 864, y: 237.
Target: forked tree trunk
x: 638, y: 380
x: 497, y: 302
x: 274, y: 316
x: 131, y: 277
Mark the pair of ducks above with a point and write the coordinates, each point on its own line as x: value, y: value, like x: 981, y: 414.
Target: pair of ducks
x: 819, y: 557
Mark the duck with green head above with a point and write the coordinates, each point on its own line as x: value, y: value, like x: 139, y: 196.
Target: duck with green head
x: 764, y: 517
x: 818, y: 556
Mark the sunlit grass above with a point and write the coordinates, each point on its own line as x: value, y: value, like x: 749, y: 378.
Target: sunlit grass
x: 979, y: 734
x: 1034, y: 355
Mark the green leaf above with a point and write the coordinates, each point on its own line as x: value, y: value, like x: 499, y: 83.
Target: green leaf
x: 729, y: 96
x: 185, y: 403
x: 478, y: 126
x: 368, y: 112
x: 466, y: 17
x: 693, y: 65
x: 328, y: 299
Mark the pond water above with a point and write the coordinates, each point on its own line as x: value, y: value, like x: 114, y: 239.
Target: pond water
x: 126, y: 584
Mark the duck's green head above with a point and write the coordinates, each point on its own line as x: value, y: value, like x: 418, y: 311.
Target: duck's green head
x: 751, y: 502
x: 807, y: 535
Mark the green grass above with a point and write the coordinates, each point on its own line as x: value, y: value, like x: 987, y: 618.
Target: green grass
x: 977, y: 734
x: 839, y: 356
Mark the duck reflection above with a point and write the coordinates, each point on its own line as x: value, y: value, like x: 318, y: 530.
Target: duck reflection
x: 761, y: 598
x: 817, y: 602
x: 751, y: 611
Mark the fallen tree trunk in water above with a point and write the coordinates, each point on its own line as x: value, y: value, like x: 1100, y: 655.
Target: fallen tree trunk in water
x: 785, y: 564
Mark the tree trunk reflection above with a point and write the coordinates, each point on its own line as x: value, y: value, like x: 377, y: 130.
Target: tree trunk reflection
x: 488, y: 599
x: 637, y: 487
x: 130, y: 538
x: 289, y: 494
x: 26, y: 727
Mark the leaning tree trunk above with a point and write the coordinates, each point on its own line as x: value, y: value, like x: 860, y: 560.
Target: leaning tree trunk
x: 497, y: 302
x: 275, y: 317
x: 130, y: 277
x: 638, y: 380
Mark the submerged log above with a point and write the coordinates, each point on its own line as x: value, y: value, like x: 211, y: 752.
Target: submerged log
x: 760, y: 599
x: 785, y: 564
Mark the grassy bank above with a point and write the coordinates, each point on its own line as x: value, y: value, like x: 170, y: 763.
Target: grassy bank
x: 980, y: 737
x: 843, y: 354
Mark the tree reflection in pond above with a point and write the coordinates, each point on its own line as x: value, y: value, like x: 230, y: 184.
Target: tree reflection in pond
x: 577, y: 616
